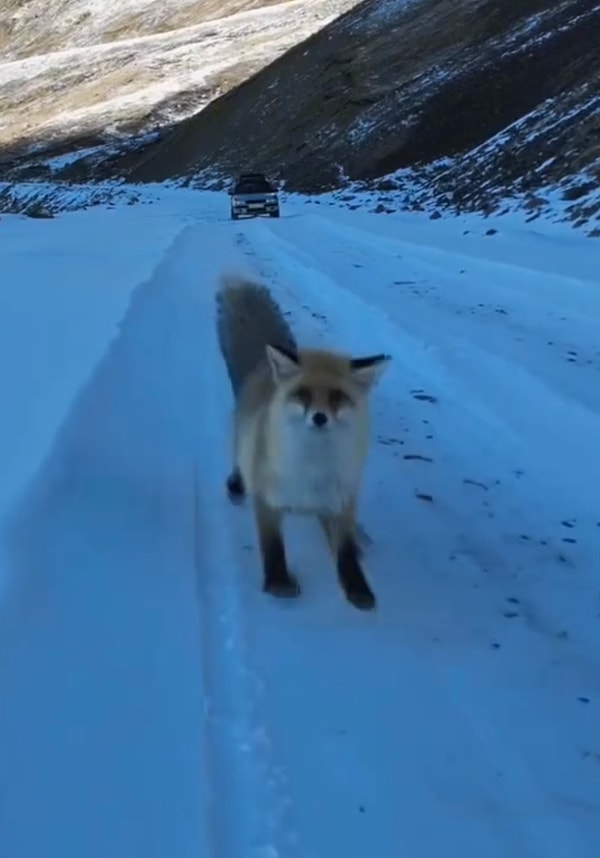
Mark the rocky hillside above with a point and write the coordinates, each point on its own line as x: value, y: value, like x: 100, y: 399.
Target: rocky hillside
x: 479, y: 98
x: 85, y: 71
x: 430, y: 102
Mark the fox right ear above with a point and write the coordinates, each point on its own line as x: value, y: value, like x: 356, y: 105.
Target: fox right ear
x: 284, y: 364
x: 367, y: 370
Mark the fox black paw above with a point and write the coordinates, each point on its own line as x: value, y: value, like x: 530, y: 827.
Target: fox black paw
x: 354, y: 584
x: 235, y: 487
x: 362, y: 598
x: 282, y: 587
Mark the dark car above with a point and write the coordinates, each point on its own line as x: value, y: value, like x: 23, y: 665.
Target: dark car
x: 254, y: 195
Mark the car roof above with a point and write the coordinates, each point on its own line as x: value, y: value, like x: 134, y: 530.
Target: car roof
x: 254, y: 184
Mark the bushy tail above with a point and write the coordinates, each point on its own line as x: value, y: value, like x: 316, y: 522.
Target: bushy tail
x: 248, y: 318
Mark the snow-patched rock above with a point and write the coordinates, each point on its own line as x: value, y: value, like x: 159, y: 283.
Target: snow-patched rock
x: 82, y: 68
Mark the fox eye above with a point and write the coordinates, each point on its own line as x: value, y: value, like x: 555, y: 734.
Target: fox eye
x: 303, y: 395
x: 337, y: 398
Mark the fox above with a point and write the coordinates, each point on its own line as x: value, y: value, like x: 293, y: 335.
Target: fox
x: 301, y: 428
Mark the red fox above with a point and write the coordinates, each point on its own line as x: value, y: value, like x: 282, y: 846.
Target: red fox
x: 301, y: 433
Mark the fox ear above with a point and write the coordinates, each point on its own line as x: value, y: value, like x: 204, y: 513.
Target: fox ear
x: 284, y: 364
x: 367, y: 370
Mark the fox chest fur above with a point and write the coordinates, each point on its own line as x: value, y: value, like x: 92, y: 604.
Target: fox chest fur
x: 300, y: 470
x: 301, y: 430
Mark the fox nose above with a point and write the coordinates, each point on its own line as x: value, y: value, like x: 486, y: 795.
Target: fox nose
x: 319, y: 418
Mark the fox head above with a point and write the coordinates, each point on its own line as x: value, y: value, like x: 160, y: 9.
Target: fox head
x: 322, y: 390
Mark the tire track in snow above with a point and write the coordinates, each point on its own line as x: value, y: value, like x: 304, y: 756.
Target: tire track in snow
x: 100, y: 681
x: 545, y: 321
x: 251, y: 813
x: 436, y: 259
x: 461, y: 378
x: 127, y: 630
x: 520, y: 765
x: 251, y: 807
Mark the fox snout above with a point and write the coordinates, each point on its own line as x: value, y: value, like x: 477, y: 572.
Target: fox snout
x: 319, y: 420
x: 320, y: 407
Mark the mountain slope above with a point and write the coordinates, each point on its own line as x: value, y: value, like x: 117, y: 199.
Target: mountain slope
x: 476, y: 105
x: 73, y: 70
x: 37, y: 27
x: 401, y: 85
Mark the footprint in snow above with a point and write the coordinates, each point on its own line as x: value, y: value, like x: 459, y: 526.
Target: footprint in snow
x: 424, y: 497
x: 388, y: 442
x: 417, y: 457
x: 469, y: 482
x: 423, y: 397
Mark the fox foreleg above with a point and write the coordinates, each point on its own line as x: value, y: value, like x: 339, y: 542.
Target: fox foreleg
x: 343, y: 539
x: 277, y: 579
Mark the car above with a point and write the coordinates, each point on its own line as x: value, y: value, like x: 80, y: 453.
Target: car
x: 252, y: 195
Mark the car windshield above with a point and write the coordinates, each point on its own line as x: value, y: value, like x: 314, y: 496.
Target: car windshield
x: 253, y: 186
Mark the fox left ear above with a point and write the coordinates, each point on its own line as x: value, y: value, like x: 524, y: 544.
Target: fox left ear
x: 368, y: 370
x: 284, y: 364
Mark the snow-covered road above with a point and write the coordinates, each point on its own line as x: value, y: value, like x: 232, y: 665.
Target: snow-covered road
x: 153, y: 701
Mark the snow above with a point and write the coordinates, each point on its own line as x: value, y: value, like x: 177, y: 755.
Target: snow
x: 154, y: 700
x: 63, y: 293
